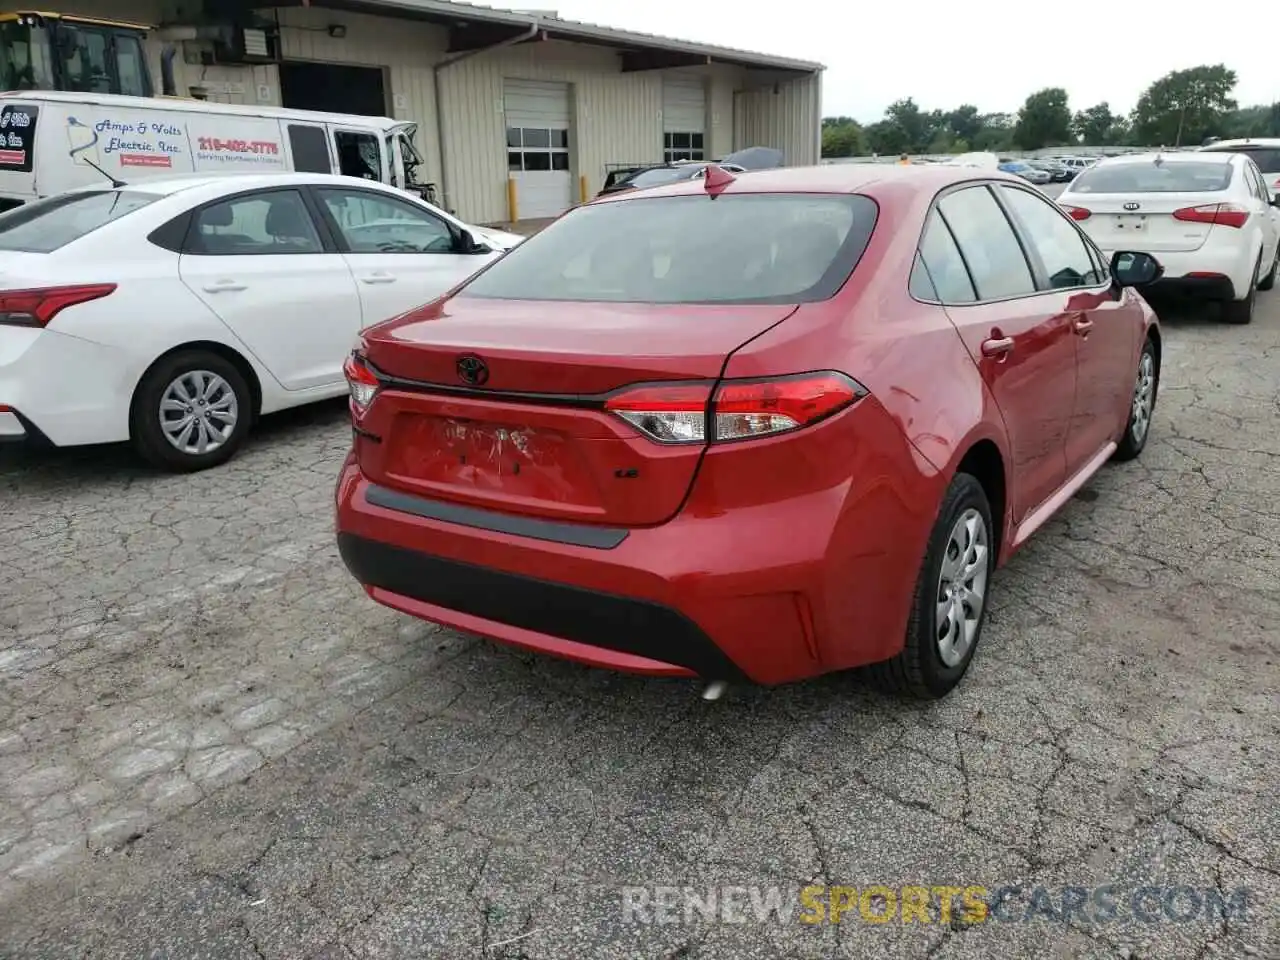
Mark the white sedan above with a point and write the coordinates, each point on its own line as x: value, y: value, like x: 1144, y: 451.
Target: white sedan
x: 1207, y: 217
x: 175, y: 312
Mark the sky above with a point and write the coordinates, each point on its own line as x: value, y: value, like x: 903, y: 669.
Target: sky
x: 988, y: 53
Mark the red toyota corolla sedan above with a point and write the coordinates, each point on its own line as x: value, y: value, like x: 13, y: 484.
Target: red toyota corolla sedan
x: 748, y: 429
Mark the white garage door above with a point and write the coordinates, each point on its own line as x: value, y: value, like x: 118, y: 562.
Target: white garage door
x: 538, y: 146
x: 684, y: 117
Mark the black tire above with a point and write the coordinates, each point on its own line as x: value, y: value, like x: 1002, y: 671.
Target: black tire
x: 145, y: 429
x: 1269, y: 280
x: 1241, y: 311
x: 919, y: 670
x: 1132, y: 442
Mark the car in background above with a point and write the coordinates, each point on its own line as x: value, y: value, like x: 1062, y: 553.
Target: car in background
x: 761, y: 440
x: 1207, y: 216
x: 750, y: 158
x: 1077, y: 163
x: 174, y: 313
x: 1058, y: 172
x: 1020, y: 168
x: 1265, y: 152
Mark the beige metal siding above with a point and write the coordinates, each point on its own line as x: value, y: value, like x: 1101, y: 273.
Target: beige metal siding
x: 684, y: 103
x: 786, y: 115
x: 617, y: 117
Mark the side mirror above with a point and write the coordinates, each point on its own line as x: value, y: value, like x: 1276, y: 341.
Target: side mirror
x: 467, y: 243
x: 1275, y: 199
x: 1135, y: 269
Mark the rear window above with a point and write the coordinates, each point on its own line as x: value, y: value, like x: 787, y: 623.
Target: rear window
x: 45, y: 225
x: 1176, y: 177
x: 654, y: 178
x: 1267, y: 158
x: 754, y: 248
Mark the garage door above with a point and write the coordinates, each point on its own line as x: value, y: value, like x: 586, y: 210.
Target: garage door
x: 684, y: 117
x: 538, y: 146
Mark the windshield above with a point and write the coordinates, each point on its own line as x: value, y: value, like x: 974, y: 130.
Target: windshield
x: 45, y: 225
x: 1175, y: 177
x: 753, y: 248
x: 24, y: 58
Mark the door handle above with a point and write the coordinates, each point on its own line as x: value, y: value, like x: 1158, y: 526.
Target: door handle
x: 223, y: 286
x: 378, y: 278
x: 1083, y: 325
x: 997, y: 347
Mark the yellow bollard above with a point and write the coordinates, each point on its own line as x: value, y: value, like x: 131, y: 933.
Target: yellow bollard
x: 513, y: 209
x: 582, y: 189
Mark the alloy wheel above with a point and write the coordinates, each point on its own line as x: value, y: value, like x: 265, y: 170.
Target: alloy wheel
x: 1143, y: 397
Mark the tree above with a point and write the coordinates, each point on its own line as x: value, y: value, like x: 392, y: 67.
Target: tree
x: 995, y: 133
x: 1185, y: 106
x: 906, y: 116
x: 1093, y: 126
x: 886, y: 138
x: 1044, y: 120
x: 843, y: 137
x: 964, y: 122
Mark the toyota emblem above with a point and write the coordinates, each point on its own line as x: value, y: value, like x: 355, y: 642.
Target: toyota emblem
x: 1131, y: 206
x: 471, y: 369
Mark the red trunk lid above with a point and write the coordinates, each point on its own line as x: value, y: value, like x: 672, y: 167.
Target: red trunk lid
x: 534, y: 438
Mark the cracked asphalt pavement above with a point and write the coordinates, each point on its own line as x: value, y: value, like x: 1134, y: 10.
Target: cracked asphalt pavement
x: 212, y: 744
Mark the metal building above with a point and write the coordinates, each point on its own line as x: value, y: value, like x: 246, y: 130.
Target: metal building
x: 510, y: 106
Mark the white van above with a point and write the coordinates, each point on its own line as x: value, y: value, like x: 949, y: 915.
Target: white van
x: 52, y: 142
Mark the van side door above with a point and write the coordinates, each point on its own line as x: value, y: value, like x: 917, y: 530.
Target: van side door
x: 309, y: 148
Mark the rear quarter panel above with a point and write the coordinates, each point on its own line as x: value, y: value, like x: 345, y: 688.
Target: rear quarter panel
x: 911, y: 359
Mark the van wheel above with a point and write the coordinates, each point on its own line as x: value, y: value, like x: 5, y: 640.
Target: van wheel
x: 950, y: 602
x: 190, y: 412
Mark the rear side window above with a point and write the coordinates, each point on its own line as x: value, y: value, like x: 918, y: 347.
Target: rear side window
x: 1187, y: 176
x: 940, y: 259
x: 744, y: 248
x: 995, y: 259
x: 45, y: 225
x: 310, y: 149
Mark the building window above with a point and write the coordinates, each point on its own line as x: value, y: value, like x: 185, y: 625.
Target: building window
x: 537, y: 148
x: 682, y: 146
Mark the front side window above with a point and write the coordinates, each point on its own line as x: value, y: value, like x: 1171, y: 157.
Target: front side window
x: 1061, y: 249
x: 745, y: 248
x: 45, y: 225
x: 270, y: 222
x: 374, y: 224
x: 986, y: 239
x: 86, y: 68
x: 358, y: 155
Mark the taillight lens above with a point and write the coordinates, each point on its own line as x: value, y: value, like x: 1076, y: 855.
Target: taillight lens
x: 738, y: 409
x: 361, y: 383
x: 1077, y: 213
x: 1219, y: 214
x: 37, y: 307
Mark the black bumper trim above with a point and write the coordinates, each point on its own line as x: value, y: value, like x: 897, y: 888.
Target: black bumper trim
x: 604, y: 620
x: 553, y: 531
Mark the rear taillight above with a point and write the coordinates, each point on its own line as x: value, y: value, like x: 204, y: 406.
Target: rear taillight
x: 737, y: 410
x: 1219, y: 214
x: 35, y: 308
x: 361, y: 383
x: 1077, y: 213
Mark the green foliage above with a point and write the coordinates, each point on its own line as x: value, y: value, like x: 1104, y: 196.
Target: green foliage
x: 1182, y: 108
x: 1044, y: 120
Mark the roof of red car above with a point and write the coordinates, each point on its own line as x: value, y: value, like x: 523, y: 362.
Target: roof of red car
x: 828, y: 178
